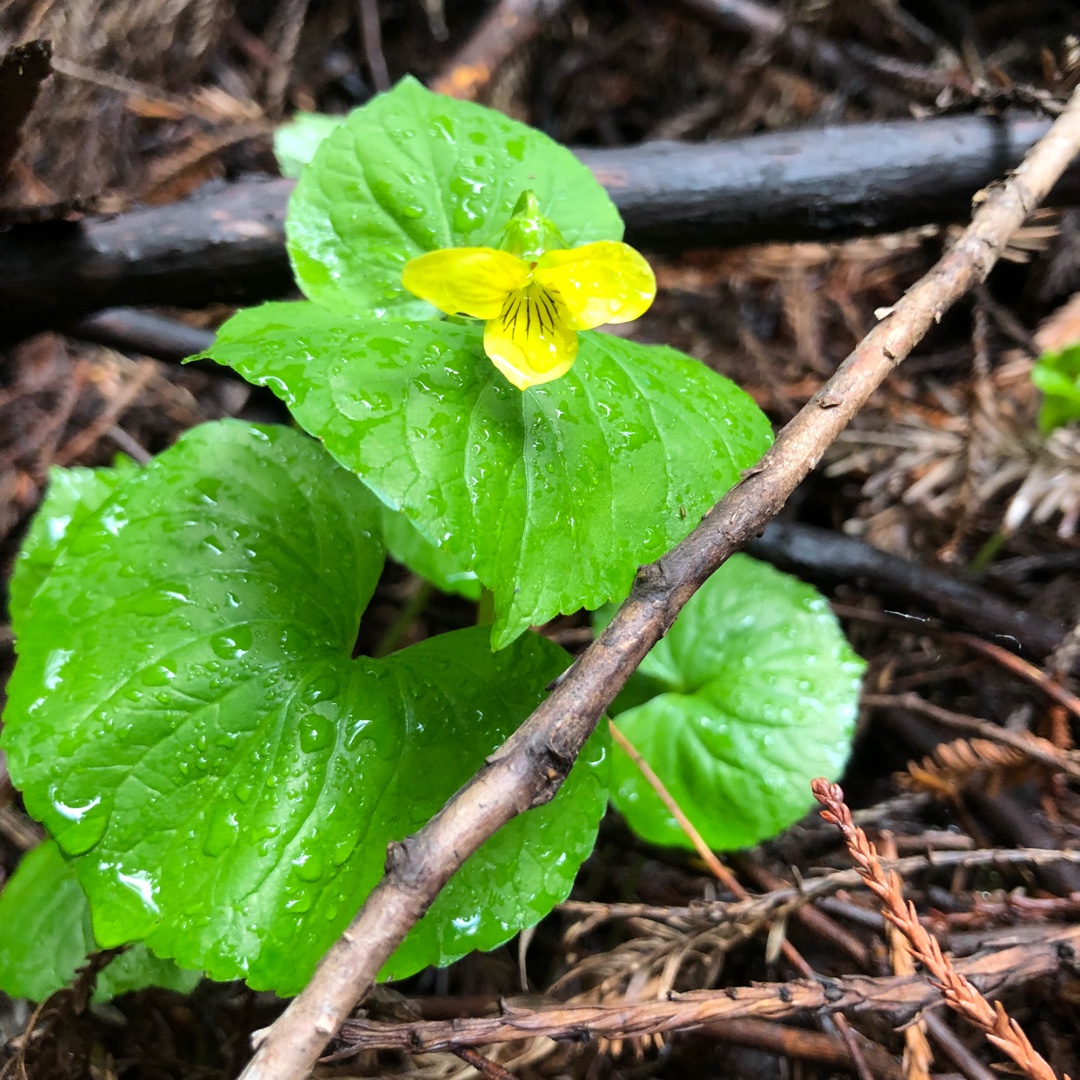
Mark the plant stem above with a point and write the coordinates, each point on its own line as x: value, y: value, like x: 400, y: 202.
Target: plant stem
x: 413, y: 609
x: 485, y: 609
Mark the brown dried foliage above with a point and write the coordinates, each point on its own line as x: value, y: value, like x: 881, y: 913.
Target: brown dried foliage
x: 959, y: 993
x: 128, y: 111
x: 955, y: 765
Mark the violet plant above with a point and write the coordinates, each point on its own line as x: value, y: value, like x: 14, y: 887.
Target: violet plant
x: 218, y: 774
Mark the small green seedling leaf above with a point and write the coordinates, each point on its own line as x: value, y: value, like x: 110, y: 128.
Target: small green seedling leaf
x: 412, y: 172
x: 187, y: 720
x: 1057, y: 375
x: 296, y: 141
x: 47, y: 936
x: 553, y: 496
x: 761, y: 693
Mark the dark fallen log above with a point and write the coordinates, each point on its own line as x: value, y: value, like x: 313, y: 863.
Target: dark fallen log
x: 813, y: 184
x: 827, y: 557
x: 225, y: 242
x: 145, y: 333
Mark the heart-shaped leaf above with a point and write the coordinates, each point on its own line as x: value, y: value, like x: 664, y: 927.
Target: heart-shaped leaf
x: 47, y: 936
x: 186, y: 719
x: 757, y: 695
x: 553, y: 497
x: 413, y: 171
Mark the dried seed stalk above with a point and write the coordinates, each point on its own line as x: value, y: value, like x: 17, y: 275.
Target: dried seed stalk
x: 958, y: 992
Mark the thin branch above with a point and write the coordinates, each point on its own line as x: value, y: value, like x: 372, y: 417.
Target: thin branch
x: 529, y: 768
x: 371, y: 42
x: 782, y: 902
x: 799, y: 1044
x: 1030, y: 745
x: 853, y: 67
x: 509, y: 25
x: 732, y: 883
x: 1022, y: 668
x: 861, y: 1068
x: 289, y: 23
x: 708, y: 857
x: 896, y: 997
x: 956, y: 1049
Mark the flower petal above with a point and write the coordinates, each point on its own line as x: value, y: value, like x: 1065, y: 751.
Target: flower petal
x: 467, y: 281
x: 531, y: 341
x: 605, y: 282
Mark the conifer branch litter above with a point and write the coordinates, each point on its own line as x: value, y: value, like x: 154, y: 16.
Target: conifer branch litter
x: 959, y: 992
x: 954, y: 765
x: 918, y: 1057
x: 529, y: 768
x: 897, y: 998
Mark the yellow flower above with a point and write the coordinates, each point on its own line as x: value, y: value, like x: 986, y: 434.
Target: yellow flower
x: 534, y: 293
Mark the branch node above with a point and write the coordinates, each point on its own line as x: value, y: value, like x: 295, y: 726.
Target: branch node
x: 397, y: 855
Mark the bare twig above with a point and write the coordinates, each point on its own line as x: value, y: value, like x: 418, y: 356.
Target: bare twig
x: 1022, y: 668
x: 371, y: 41
x: 529, y: 768
x: 19, y: 830
x: 506, y: 28
x: 955, y: 1048
x: 861, y: 1067
x: 716, y: 867
x: 1029, y: 745
x: 114, y: 408
x: 484, y: 1066
x: 896, y: 997
x: 959, y: 992
x: 806, y: 914
x: 146, y: 333
x: 847, y: 65
x: 780, y: 902
x: 813, y: 919
x: 288, y: 22
x: 799, y: 1044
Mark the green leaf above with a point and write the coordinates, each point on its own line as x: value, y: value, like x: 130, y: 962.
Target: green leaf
x: 186, y: 719
x: 412, y: 172
x: 553, y: 496
x: 1057, y: 375
x: 761, y: 696
x: 530, y: 864
x: 47, y: 936
x: 72, y: 495
x: 295, y: 142
x: 435, y: 563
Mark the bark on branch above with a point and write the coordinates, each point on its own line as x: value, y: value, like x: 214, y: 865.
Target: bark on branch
x: 529, y: 767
